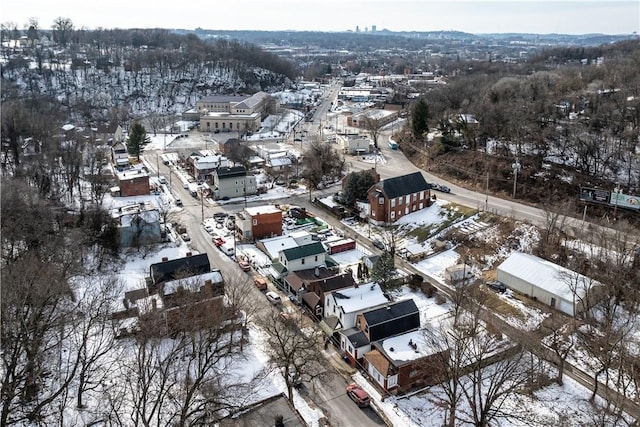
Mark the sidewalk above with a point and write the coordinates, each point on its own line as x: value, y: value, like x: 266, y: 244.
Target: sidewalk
x: 335, y: 358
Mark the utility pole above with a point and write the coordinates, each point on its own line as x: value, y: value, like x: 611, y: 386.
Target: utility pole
x: 158, y: 165
x: 202, y: 205
x: 486, y: 200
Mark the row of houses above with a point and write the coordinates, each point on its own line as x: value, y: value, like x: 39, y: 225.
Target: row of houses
x: 359, y: 317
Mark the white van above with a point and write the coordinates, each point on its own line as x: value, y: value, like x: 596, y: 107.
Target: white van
x: 228, y: 249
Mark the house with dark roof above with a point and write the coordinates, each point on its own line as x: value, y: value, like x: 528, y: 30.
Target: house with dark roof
x: 230, y: 182
x: 167, y: 270
x: 393, y: 319
x: 391, y: 199
x: 322, y: 287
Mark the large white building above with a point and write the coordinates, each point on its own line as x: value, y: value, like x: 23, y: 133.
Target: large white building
x: 549, y: 283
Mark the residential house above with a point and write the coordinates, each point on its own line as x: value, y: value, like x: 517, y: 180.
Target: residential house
x: 272, y: 246
x: 259, y: 222
x: 277, y: 164
x: 391, y: 199
x: 197, y: 287
x: 133, y: 182
x: 138, y: 224
x: 322, y: 286
x: 303, y: 257
x: 393, y: 319
x: 298, y: 283
x: 377, y: 324
x: 231, y: 182
x: 190, y: 265
x: 548, y: 283
x: 346, y: 304
x: 404, y: 362
x: 109, y: 133
x: 119, y: 155
x: 204, y: 166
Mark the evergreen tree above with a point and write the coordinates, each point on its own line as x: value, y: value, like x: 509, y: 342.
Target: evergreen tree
x: 357, y: 185
x: 420, y: 119
x: 137, y: 139
x: 383, y: 271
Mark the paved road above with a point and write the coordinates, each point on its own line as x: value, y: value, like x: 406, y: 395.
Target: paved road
x: 330, y: 395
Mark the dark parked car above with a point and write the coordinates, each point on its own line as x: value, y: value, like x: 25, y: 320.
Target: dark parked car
x: 497, y: 286
x: 378, y: 244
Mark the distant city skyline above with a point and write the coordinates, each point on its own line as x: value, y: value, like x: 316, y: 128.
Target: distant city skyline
x: 471, y: 16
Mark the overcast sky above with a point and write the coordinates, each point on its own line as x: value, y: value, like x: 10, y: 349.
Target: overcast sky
x: 473, y: 16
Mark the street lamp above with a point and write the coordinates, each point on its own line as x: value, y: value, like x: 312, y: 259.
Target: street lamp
x: 516, y: 168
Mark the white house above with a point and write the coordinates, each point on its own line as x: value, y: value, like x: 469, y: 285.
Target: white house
x: 303, y: 257
x: 345, y: 304
x: 549, y: 283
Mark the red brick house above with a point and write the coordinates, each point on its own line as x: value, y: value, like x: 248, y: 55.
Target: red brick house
x: 391, y: 199
x: 259, y: 222
x: 133, y: 182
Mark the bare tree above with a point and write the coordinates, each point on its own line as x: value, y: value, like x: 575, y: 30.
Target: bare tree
x: 293, y: 349
x: 374, y: 127
x: 62, y: 30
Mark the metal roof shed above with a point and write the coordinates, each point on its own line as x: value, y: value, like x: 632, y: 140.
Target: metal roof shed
x: 549, y: 283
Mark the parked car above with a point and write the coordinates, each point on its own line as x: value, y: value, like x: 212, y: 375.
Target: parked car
x: 442, y: 188
x: 378, y: 244
x: 497, y: 286
x: 260, y: 282
x: 185, y: 237
x: 358, y: 395
x: 209, y: 229
x: 273, y: 298
x: 245, y: 266
x: 218, y: 241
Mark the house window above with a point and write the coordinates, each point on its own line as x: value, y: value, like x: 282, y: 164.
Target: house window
x: 302, y: 262
x: 407, y: 200
x: 413, y: 373
x: 366, y: 329
x: 415, y: 196
x: 422, y: 194
x: 393, y: 214
x: 399, y: 200
x: 255, y: 222
x: 316, y: 257
x: 381, y: 200
x: 392, y: 381
x: 393, y: 203
x: 350, y: 349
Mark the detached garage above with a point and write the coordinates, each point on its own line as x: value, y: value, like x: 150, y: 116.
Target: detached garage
x: 549, y: 283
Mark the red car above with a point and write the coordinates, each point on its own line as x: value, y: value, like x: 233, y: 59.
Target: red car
x: 358, y: 395
x: 218, y: 241
x: 244, y: 265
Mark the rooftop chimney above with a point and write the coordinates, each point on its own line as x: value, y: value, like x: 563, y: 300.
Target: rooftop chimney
x: 165, y: 259
x: 188, y: 254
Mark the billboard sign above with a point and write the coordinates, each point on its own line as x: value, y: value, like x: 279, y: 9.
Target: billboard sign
x: 593, y: 195
x: 625, y: 201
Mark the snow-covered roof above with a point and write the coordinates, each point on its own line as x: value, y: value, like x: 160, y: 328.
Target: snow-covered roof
x: 261, y: 210
x: 406, y: 347
x: 365, y: 296
x: 274, y: 245
x: 546, y: 275
x: 193, y: 283
x: 131, y: 174
x: 209, y: 162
